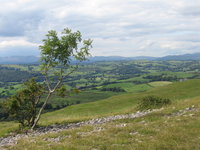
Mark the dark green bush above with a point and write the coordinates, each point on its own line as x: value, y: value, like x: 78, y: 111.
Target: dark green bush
x: 151, y: 102
x: 113, y: 89
x: 3, y: 111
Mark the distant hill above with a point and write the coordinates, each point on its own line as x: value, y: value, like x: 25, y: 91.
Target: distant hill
x: 35, y: 60
x: 185, y: 57
x: 119, y: 58
x: 19, y: 60
x: 195, y: 56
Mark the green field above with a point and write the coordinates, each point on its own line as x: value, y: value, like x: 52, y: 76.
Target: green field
x: 159, y: 83
x: 82, y: 97
x: 130, y: 87
x: 125, y: 103
x: 176, y: 80
x: 159, y: 130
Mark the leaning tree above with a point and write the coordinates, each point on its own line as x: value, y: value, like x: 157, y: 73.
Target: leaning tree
x: 57, y: 55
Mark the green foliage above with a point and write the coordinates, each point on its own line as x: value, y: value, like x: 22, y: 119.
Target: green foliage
x: 57, y: 51
x: 150, y: 102
x: 22, y: 106
x: 3, y: 111
x: 62, y: 91
x: 56, y: 55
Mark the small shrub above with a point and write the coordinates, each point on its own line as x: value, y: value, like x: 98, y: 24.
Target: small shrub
x: 22, y: 105
x: 151, y: 102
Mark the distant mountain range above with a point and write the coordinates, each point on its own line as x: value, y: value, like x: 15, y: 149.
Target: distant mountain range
x: 19, y: 60
x: 35, y: 60
x: 119, y: 58
x: 195, y: 56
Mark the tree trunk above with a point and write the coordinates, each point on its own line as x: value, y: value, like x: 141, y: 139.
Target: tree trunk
x: 46, y: 100
x: 41, y: 109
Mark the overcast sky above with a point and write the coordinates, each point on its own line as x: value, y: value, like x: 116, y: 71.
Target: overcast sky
x: 117, y: 27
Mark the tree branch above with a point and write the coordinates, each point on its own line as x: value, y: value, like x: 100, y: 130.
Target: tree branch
x: 47, y: 81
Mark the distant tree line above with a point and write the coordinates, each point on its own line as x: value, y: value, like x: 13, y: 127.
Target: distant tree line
x: 161, y: 77
x: 113, y: 89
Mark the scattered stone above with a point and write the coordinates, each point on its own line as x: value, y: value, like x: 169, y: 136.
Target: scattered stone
x: 183, y: 111
x: 121, y: 125
x: 138, y: 140
x: 12, y: 140
x: 133, y: 133
x: 98, y: 129
x: 56, y: 140
x: 142, y: 122
x: 68, y: 136
x: 83, y: 133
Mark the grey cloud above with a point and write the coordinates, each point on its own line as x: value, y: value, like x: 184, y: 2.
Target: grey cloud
x: 190, y: 8
x: 122, y: 27
x: 17, y: 23
x: 193, y: 11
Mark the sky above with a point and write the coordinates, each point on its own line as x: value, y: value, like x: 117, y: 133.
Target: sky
x: 117, y: 27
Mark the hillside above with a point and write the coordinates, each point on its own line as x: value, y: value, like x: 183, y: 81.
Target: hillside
x: 174, y: 127
x: 124, y: 103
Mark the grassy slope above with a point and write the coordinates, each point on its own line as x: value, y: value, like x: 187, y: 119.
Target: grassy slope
x: 117, y: 104
x: 7, y: 127
x: 156, y: 131
x: 120, y: 104
x: 82, y: 97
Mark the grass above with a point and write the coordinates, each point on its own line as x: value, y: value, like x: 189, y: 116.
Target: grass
x: 159, y: 83
x: 156, y: 131
x: 6, y: 127
x: 125, y: 103
x: 82, y: 97
x: 130, y: 87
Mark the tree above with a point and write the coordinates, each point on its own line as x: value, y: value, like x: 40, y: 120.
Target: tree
x: 56, y: 57
x: 57, y: 54
x: 22, y: 106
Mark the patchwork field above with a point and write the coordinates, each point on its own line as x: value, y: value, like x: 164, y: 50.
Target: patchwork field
x: 114, y: 88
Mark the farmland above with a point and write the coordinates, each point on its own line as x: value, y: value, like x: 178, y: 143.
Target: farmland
x: 98, y: 80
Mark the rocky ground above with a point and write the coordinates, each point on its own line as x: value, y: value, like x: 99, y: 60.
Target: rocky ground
x: 12, y: 139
